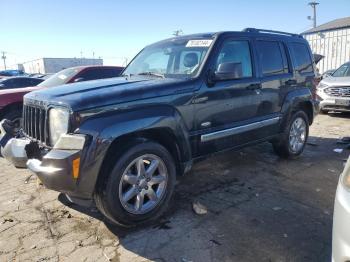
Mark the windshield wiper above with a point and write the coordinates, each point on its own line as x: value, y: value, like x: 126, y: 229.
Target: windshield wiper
x: 151, y: 74
x: 126, y: 75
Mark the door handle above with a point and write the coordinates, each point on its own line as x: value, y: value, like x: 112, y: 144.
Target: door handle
x: 254, y: 86
x: 291, y: 82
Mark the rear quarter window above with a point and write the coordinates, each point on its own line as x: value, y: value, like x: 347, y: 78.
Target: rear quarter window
x: 302, y: 58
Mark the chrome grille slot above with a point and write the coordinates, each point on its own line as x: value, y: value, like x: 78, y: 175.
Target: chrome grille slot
x: 37, y: 123
x: 341, y: 91
x: 41, y: 127
x: 34, y: 123
x: 31, y: 122
x: 24, y: 117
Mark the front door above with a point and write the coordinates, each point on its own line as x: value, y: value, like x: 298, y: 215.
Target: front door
x: 225, y: 111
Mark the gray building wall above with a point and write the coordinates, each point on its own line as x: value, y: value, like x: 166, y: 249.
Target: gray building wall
x: 54, y: 65
x: 333, y: 44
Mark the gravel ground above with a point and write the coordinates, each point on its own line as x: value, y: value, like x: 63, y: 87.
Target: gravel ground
x: 259, y: 207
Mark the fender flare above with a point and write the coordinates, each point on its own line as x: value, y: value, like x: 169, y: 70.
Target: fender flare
x: 295, y: 100
x: 104, y: 129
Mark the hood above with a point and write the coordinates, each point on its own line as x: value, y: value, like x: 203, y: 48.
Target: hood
x: 19, y: 90
x: 336, y: 81
x: 98, y: 93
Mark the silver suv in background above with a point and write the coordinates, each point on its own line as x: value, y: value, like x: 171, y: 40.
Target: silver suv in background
x: 334, y: 90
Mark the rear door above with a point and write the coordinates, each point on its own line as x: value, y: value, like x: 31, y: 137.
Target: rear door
x: 275, y: 74
x: 303, y: 64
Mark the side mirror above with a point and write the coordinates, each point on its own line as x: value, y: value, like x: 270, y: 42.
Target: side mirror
x: 227, y: 71
x: 79, y: 79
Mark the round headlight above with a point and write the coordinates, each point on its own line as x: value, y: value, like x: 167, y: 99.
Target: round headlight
x: 58, y: 122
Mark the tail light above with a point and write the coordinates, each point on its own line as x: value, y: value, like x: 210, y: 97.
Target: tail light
x: 315, y: 82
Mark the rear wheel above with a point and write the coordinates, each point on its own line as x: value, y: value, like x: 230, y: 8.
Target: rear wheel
x: 294, y: 137
x: 139, y: 186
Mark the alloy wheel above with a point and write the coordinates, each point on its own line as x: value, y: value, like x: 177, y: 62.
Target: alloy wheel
x: 297, y: 135
x: 143, y: 184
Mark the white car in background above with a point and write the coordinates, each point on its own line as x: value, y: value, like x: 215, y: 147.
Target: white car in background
x: 341, y: 218
x: 334, y: 90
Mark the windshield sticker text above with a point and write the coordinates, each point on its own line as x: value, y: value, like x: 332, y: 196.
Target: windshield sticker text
x: 199, y: 43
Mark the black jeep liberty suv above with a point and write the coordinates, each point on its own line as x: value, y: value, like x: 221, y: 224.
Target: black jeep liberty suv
x: 122, y: 141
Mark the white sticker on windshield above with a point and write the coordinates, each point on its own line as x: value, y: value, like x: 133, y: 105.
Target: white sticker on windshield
x: 199, y: 43
x: 63, y: 77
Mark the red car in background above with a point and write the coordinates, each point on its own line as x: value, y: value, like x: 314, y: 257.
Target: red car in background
x: 11, y: 100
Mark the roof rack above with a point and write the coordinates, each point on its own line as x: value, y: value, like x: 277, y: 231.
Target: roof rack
x: 256, y: 30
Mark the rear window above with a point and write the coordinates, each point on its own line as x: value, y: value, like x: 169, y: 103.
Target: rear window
x: 272, y: 58
x: 302, y: 58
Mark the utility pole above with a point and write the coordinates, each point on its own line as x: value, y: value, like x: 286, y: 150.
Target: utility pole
x: 313, y: 5
x: 81, y: 57
x: 3, y: 57
x: 177, y: 32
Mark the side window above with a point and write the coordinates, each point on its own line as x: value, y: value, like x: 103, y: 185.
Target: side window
x: 272, y: 58
x: 21, y: 82
x: 235, y: 57
x: 34, y: 82
x: 284, y: 57
x: 98, y: 73
x: 109, y: 72
x: 8, y: 83
x: 89, y: 74
x: 302, y: 58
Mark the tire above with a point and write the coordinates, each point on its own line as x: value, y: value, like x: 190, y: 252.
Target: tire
x: 283, y: 147
x: 324, y: 112
x: 15, y: 116
x: 110, y: 198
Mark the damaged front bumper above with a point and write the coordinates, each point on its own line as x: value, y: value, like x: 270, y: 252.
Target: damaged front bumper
x: 58, y: 168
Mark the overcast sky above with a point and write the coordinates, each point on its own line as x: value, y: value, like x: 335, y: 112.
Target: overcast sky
x: 115, y: 30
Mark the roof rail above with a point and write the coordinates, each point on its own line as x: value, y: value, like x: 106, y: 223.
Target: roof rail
x: 256, y: 30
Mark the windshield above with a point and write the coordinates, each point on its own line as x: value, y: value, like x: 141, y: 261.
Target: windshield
x: 176, y: 58
x: 342, y: 71
x: 60, y: 78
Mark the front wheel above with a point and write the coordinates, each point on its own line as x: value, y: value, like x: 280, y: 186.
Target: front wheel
x: 139, y: 186
x: 15, y: 116
x: 294, y: 137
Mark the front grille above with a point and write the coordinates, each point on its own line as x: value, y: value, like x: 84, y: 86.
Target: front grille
x: 342, y: 91
x: 35, y: 123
